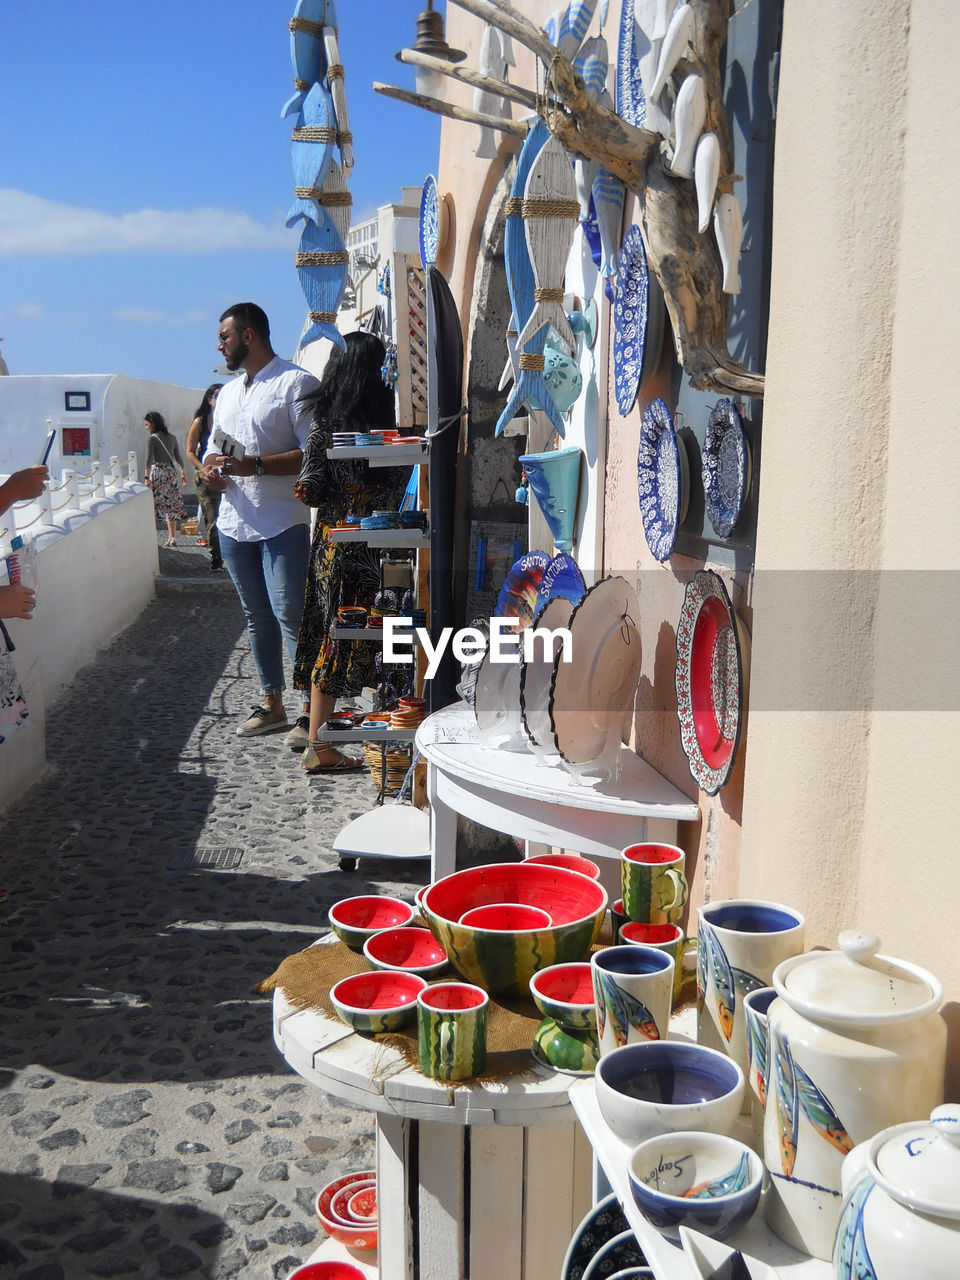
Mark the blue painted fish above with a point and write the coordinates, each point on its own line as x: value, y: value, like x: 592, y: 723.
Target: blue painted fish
x: 609, y: 194
x: 550, y: 215
x: 591, y: 65
x: 625, y: 1011
x: 322, y: 268
x: 567, y: 28
x: 820, y: 1113
x: 722, y: 976
x: 757, y: 1053
x: 333, y: 197
x: 725, y: 1185
x: 307, y: 53
x: 853, y: 1261
x: 529, y: 385
x: 788, y: 1111
x: 311, y: 148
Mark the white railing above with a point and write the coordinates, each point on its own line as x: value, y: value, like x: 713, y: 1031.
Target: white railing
x: 74, y: 491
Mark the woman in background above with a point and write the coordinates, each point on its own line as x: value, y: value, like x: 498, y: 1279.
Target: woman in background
x: 197, y: 438
x: 163, y: 461
x: 351, y: 397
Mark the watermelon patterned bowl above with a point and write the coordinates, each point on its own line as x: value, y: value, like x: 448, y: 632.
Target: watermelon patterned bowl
x: 356, y: 919
x: 505, y: 961
x: 564, y: 992
x: 382, y: 1000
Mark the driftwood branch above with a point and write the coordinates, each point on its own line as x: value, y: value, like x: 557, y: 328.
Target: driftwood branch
x: 501, y: 88
x: 686, y: 263
x: 439, y: 108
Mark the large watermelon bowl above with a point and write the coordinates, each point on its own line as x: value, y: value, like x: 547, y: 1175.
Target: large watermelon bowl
x: 504, y: 961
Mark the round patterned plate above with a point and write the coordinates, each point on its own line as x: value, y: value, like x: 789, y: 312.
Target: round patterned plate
x: 712, y: 656
x: 663, y: 479
x: 620, y: 1252
x: 604, y: 1221
x: 429, y: 221
x: 562, y: 577
x: 638, y: 316
x: 591, y: 695
x: 726, y: 467
x: 631, y: 102
x: 518, y: 595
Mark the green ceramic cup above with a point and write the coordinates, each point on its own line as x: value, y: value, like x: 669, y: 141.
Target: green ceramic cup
x: 452, y: 1030
x: 652, y: 883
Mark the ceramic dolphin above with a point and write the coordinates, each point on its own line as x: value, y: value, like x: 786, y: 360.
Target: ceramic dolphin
x: 307, y: 53
x: 550, y: 216
x: 311, y: 146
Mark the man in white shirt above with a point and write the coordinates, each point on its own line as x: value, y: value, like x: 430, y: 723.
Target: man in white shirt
x: 264, y: 528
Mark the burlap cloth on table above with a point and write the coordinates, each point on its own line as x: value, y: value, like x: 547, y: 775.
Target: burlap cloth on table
x: 306, y: 979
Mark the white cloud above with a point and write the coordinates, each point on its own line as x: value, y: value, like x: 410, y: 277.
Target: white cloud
x: 30, y: 224
x: 29, y: 311
x: 151, y: 315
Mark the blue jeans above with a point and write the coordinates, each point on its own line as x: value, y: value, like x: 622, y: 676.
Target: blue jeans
x: 269, y: 577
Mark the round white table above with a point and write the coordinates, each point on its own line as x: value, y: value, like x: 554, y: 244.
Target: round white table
x: 473, y: 1181
x: 511, y: 791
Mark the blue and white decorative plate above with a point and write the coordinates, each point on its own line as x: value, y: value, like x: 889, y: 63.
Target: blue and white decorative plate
x: 562, y: 577
x: 630, y: 319
x: 429, y: 222
x: 518, y: 595
x: 663, y: 479
x: 631, y: 102
x: 604, y: 1221
x: 726, y: 467
x: 620, y: 1252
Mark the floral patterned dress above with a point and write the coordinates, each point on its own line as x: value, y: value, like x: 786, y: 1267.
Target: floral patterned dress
x: 339, y: 573
x: 163, y: 477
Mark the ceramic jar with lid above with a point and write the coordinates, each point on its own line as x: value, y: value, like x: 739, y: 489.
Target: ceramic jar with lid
x: 901, y: 1206
x: 855, y: 1044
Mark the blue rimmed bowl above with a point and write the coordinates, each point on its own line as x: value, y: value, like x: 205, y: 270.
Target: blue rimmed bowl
x: 707, y: 1181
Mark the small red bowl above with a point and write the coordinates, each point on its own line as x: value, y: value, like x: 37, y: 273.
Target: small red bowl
x: 357, y: 919
x: 570, y: 861
x: 340, y: 1211
x: 354, y: 1237
x: 408, y: 949
x: 327, y: 1270
x: 362, y: 1205
x: 382, y: 1000
x: 507, y: 917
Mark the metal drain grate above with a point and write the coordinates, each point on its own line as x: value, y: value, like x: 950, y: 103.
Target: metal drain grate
x: 222, y: 858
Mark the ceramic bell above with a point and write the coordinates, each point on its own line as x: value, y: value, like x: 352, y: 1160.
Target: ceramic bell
x: 855, y: 1044
x: 689, y: 115
x: 901, y: 1207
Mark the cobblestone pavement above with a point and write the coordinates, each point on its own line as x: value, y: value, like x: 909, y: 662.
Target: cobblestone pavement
x: 148, y: 1125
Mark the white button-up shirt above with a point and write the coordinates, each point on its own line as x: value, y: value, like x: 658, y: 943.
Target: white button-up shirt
x: 267, y: 417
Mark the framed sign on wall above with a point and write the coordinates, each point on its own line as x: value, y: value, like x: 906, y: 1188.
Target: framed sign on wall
x: 76, y: 401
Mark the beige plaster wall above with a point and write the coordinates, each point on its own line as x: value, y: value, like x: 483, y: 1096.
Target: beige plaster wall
x: 854, y: 728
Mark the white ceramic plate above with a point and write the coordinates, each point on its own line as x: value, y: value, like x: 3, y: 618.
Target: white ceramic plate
x: 590, y: 696
x: 496, y: 699
x: 537, y: 677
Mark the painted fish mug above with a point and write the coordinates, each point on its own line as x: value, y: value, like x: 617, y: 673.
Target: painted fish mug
x: 740, y: 942
x: 633, y: 992
x: 452, y: 1030
x: 652, y: 883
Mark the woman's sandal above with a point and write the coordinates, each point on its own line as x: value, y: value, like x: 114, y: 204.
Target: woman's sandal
x: 310, y: 762
x: 170, y: 542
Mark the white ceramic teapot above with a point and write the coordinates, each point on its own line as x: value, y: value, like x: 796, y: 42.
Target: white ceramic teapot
x: 901, y: 1207
x: 854, y: 1044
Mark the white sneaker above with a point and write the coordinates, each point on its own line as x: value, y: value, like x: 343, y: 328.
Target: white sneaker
x: 262, y: 720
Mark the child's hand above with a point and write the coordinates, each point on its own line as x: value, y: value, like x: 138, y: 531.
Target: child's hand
x: 17, y: 601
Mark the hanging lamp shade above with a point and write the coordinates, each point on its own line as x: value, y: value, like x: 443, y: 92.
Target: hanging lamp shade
x: 431, y: 40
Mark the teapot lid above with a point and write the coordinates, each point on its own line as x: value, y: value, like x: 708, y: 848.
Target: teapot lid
x: 919, y: 1163
x: 856, y: 987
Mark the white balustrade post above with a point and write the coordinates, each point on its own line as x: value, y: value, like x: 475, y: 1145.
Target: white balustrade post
x: 131, y: 467
x: 71, y: 482
x: 96, y: 475
x: 45, y: 502
x: 115, y: 471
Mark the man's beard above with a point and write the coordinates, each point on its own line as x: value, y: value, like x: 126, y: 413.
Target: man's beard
x: 234, y: 362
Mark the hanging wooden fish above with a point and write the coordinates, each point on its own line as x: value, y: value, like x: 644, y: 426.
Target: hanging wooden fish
x: 333, y: 196
x: 609, y: 194
x: 637, y: 40
x: 550, y: 216
x: 322, y: 267
x: 307, y: 53
x: 529, y: 387
x: 675, y: 40
x: 591, y: 65
x: 311, y: 146
x: 788, y: 1110
x: 493, y: 65
x: 339, y: 94
x: 567, y: 28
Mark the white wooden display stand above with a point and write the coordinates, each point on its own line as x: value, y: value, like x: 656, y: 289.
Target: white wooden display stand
x: 511, y: 791
x: 473, y: 1181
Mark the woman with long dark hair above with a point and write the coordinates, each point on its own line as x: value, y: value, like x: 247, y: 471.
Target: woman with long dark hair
x: 197, y: 438
x: 351, y: 397
x: 164, y: 465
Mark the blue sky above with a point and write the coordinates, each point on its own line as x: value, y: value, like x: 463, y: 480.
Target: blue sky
x: 145, y: 174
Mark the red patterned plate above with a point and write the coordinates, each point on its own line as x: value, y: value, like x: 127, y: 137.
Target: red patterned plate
x: 712, y: 656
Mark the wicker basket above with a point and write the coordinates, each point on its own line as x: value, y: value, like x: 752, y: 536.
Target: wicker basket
x: 398, y: 762
x: 189, y: 526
